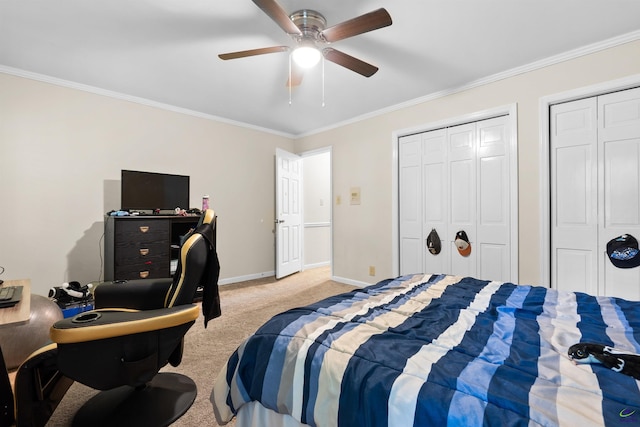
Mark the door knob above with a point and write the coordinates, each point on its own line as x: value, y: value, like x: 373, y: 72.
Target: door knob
x: 279, y: 221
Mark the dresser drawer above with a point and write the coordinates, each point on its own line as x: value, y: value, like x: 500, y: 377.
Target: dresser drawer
x: 143, y: 231
x: 152, y: 269
x: 141, y: 252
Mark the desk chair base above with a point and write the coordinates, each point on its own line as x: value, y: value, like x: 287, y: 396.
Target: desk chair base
x: 161, y: 402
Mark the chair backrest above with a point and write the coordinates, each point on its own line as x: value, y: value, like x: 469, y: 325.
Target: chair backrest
x: 195, y: 255
x: 208, y: 217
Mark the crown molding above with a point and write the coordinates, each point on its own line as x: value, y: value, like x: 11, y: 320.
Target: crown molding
x: 137, y: 100
x: 556, y: 59
x: 546, y: 62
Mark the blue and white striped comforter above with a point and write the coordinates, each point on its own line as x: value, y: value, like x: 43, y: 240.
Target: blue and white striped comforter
x: 429, y: 350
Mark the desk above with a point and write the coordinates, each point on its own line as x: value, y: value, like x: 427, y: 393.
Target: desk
x: 19, y: 313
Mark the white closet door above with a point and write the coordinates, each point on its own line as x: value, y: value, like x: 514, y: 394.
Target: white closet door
x: 434, y: 201
x: 619, y: 149
x: 595, y: 192
x: 494, y: 186
x: 574, y: 220
x: 410, y: 194
x: 462, y: 196
x: 452, y: 179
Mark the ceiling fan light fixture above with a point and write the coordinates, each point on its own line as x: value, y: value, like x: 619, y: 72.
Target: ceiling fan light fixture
x: 306, y: 56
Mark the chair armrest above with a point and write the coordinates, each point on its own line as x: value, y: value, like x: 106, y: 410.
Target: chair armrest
x: 39, y: 387
x: 139, y: 294
x: 110, y: 323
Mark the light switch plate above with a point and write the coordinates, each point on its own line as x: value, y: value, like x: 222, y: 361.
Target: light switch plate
x: 355, y: 195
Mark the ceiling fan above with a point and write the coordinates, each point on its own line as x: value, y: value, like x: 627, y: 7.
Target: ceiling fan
x: 308, y: 29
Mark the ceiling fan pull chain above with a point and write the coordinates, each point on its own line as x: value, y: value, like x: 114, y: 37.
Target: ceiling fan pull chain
x: 323, y: 80
x: 290, y: 79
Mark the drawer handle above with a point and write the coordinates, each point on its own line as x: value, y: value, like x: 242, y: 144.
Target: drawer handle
x: 144, y: 274
x: 144, y: 252
x: 144, y: 228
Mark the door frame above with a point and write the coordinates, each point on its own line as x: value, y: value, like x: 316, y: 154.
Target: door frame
x: 510, y: 110
x: 545, y: 104
x: 311, y: 153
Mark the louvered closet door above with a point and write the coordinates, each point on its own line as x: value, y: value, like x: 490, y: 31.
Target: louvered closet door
x: 595, y: 191
x: 457, y: 178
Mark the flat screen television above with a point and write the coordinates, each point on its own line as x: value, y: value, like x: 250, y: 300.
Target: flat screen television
x: 151, y: 190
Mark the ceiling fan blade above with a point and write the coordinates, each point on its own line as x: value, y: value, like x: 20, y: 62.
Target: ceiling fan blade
x: 361, y: 24
x: 277, y: 14
x: 253, y: 52
x: 348, y: 61
x: 297, y: 73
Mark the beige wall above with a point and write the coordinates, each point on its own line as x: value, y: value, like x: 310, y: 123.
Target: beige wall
x: 62, y: 150
x: 362, y: 156
x: 61, y: 154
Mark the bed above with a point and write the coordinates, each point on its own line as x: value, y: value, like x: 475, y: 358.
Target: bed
x: 434, y: 350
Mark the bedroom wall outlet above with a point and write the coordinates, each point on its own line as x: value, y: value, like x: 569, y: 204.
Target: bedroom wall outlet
x: 372, y: 270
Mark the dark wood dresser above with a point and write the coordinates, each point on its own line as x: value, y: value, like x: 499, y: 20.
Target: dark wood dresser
x: 139, y: 247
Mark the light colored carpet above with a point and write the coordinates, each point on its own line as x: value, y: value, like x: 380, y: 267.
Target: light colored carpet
x: 245, y: 307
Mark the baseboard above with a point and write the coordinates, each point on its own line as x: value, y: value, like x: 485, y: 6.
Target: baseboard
x: 350, y: 282
x: 316, y: 265
x: 230, y: 280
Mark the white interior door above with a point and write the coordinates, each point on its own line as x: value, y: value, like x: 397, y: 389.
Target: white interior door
x: 435, y: 167
x: 595, y: 191
x: 619, y: 198
x: 462, y: 197
x: 574, y: 189
x: 410, y: 194
x: 288, y: 221
x: 493, y: 200
x: 452, y: 179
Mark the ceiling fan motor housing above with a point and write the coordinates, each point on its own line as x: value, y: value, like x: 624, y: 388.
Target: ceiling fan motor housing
x: 310, y: 22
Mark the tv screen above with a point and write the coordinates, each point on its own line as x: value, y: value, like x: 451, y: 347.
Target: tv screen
x: 150, y: 190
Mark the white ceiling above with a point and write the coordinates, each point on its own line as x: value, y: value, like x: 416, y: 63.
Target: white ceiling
x: 165, y: 51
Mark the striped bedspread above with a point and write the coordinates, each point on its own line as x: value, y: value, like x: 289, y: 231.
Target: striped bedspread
x: 435, y: 350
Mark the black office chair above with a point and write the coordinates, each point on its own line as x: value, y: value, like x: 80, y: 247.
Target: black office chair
x: 38, y: 389
x: 23, y: 346
x: 137, y: 328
